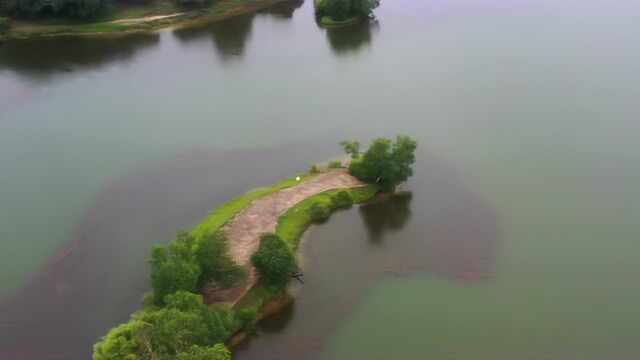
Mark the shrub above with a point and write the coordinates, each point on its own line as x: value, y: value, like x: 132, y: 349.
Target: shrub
x: 249, y: 317
x: 5, y: 25
x: 341, y: 199
x: 215, y: 263
x: 319, y: 212
x: 335, y: 164
x: 313, y: 169
x: 274, y: 259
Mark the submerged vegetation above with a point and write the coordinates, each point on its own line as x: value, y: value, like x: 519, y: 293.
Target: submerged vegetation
x: 343, y: 12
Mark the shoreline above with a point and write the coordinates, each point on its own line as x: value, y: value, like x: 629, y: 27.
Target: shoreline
x: 145, y: 24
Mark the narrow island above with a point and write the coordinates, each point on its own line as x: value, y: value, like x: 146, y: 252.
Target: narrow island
x: 344, y: 12
x: 216, y: 280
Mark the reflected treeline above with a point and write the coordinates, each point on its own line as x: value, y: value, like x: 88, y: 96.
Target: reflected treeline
x: 285, y: 9
x: 351, y: 39
x: 230, y: 36
x: 387, y: 212
x: 47, y: 56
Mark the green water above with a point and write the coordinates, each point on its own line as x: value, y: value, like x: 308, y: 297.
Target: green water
x: 531, y: 105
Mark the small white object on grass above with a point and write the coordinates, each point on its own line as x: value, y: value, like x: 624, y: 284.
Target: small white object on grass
x: 297, y: 178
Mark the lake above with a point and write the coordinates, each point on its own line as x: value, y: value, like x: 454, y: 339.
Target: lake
x: 520, y: 238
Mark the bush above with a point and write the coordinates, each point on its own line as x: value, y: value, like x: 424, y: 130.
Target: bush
x: 335, y: 164
x: 215, y: 263
x: 341, y: 199
x: 319, y: 212
x: 274, y: 260
x: 313, y: 169
x: 5, y: 25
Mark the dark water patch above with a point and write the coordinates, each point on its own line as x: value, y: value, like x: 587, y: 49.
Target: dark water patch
x: 443, y: 227
x: 43, y: 57
x: 98, y: 278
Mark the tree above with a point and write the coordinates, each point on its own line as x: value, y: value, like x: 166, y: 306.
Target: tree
x: 352, y: 148
x: 274, y: 259
x: 339, y: 9
x: 386, y: 163
x: 215, y: 262
x: 184, y: 329
x: 174, y: 267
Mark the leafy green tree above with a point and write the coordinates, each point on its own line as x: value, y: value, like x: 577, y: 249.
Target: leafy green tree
x: 174, y: 267
x: 213, y: 258
x: 352, y: 148
x: 274, y: 259
x: 339, y: 9
x: 171, y: 332
x: 386, y: 163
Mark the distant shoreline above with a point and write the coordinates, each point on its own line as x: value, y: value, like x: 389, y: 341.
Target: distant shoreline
x: 150, y: 21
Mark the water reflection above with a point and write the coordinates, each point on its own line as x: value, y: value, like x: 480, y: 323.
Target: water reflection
x: 386, y: 214
x: 352, y: 39
x: 285, y: 9
x: 231, y: 36
x: 41, y: 58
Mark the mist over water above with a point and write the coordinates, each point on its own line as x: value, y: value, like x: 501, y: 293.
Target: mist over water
x: 519, y: 239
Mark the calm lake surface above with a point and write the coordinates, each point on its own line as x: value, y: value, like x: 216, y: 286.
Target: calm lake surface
x: 520, y: 238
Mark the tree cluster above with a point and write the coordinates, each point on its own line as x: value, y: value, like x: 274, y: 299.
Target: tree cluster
x: 52, y: 8
x: 184, y: 329
x: 187, y: 264
x: 386, y: 163
x: 341, y: 10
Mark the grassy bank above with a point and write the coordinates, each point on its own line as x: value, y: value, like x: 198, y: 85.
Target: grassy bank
x: 291, y: 226
x: 216, y: 219
x: 329, y: 21
x: 131, y: 18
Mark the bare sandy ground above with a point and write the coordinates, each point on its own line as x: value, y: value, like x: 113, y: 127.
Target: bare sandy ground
x: 261, y: 216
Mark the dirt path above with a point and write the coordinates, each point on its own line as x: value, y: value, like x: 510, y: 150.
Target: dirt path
x: 144, y: 19
x: 260, y: 216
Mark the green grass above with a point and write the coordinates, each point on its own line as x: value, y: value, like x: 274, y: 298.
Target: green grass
x: 329, y: 21
x: 295, y: 221
x: 291, y: 225
x: 229, y: 209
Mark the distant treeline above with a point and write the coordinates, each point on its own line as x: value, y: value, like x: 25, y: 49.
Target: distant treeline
x: 33, y: 9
